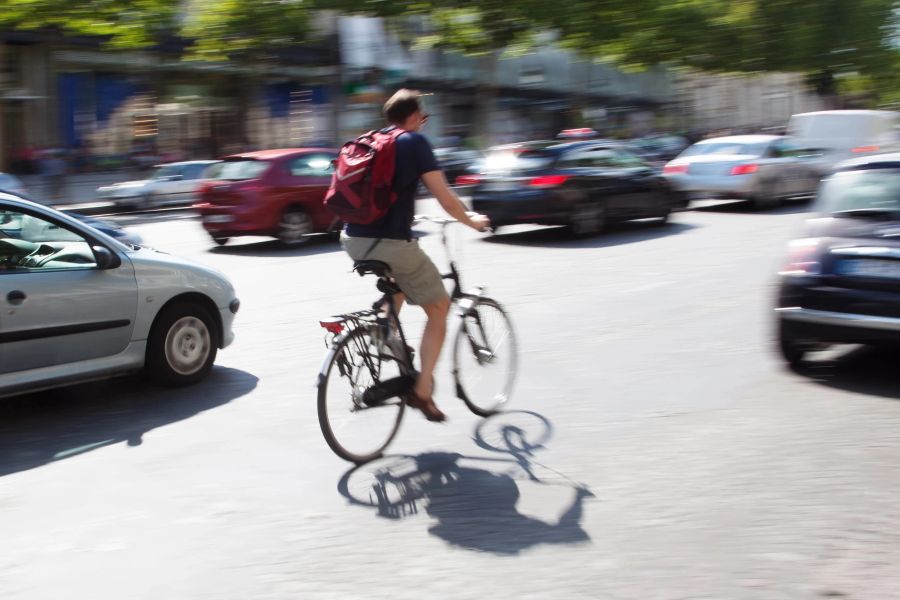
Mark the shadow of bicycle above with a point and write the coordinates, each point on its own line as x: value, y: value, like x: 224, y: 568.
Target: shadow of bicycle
x: 474, y: 508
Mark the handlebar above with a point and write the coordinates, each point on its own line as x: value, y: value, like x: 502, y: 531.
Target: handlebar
x: 434, y: 219
x: 439, y: 219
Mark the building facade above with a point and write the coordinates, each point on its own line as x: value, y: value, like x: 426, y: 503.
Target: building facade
x: 104, y: 106
x: 706, y: 102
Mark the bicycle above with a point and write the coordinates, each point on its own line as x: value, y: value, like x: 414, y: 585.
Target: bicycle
x: 369, y: 353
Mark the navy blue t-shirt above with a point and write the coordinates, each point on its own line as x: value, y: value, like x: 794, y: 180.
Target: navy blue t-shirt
x: 414, y: 157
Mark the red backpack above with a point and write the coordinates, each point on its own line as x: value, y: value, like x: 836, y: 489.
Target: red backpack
x: 361, y: 188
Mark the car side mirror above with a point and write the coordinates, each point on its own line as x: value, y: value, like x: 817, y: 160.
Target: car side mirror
x: 106, y: 258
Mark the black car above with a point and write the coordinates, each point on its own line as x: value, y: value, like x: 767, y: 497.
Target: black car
x: 455, y: 162
x: 582, y: 184
x: 660, y: 149
x: 841, y: 279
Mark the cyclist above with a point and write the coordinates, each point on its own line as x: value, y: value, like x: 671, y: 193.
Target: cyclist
x: 390, y: 239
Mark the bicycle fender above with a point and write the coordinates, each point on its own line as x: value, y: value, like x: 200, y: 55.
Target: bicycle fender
x: 323, y: 370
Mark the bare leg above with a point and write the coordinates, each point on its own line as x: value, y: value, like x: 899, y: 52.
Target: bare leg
x: 432, y: 342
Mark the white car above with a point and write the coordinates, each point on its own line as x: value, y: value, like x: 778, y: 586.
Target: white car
x: 172, y: 183
x: 838, y: 135
x: 79, y: 305
x: 760, y: 168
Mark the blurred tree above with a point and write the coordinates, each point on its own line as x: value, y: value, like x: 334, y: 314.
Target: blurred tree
x: 827, y: 39
x: 830, y: 40
x: 126, y: 24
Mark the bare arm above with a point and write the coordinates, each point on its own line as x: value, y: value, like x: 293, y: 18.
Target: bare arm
x: 450, y: 202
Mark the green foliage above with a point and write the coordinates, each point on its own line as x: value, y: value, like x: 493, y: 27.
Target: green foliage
x: 825, y: 38
x: 127, y: 24
x: 223, y: 28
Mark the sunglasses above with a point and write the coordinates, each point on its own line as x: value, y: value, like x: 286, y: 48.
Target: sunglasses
x: 425, y: 117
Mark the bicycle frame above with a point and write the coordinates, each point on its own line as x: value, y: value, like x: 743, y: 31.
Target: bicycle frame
x: 342, y: 325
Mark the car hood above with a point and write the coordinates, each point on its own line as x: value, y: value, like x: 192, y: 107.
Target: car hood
x: 162, y: 271
x: 852, y: 230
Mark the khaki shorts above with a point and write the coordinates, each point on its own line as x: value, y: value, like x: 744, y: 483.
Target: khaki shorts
x: 411, y: 268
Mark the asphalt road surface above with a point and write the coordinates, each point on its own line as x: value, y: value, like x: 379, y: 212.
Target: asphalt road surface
x: 655, y: 448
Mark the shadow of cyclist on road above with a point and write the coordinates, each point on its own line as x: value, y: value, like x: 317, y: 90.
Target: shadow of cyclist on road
x: 475, y: 508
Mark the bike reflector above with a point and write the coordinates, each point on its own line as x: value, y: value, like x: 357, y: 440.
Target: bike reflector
x: 334, y: 327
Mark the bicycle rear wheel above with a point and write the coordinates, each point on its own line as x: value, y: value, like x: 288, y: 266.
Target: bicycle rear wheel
x: 485, y: 358
x: 355, y: 430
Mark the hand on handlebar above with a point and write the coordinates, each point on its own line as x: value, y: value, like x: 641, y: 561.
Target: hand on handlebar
x: 479, y: 222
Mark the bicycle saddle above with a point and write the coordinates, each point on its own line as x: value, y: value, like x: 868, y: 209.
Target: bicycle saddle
x: 376, y: 267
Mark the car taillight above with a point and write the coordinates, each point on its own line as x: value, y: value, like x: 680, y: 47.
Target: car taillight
x: 864, y: 149
x: 548, y: 180
x: 468, y: 180
x: 802, y: 258
x: 744, y: 169
x: 671, y: 169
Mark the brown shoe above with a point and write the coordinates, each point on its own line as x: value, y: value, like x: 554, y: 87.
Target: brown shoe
x: 427, y: 406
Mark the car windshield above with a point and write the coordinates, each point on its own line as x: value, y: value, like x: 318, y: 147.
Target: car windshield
x: 234, y: 170
x: 166, y: 171
x: 26, y: 227
x: 726, y: 149
x: 860, y: 192
x: 518, y: 160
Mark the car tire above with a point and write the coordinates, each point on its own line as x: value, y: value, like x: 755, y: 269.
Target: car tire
x: 765, y: 198
x: 220, y: 240
x: 792, y: 349
x: 182, y: 345
x: 294, y: 227
x: 588, y: 218
x: 663, y: 219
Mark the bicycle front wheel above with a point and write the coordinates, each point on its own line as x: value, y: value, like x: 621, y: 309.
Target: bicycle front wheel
x: 485, y: 358
x: 357, y: 428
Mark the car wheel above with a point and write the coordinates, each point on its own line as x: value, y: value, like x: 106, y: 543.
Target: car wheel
x: 663, y: 218
x: 220, y: 240
x: 793, y: 349
x: 182, y: 345
x: 294, y: 227
x: 765, y: 196
x: 587, y: 218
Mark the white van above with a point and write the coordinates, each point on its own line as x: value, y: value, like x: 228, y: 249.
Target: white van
x: 838, y: 135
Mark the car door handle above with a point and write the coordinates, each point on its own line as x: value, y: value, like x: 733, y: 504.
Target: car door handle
x: 16, y: 297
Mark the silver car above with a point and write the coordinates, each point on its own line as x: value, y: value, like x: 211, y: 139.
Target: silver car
x: 761, y: 168
x: 172, y: 183
x: 78, y: 305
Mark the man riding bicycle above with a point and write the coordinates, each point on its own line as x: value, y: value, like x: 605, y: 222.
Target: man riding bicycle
x: 390, y: 238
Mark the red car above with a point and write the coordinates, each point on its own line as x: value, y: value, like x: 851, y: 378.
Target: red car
x: 276, y: 193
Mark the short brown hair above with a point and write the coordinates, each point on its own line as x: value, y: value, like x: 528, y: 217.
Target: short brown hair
x: 401, y: 105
